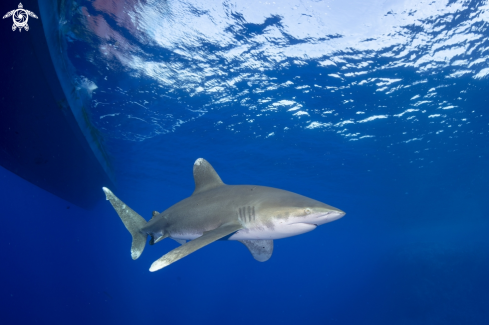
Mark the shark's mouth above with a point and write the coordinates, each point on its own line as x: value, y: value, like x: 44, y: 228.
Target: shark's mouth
x: 301, y: 227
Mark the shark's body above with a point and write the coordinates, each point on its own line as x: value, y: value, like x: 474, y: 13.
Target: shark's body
x: 253, y: 215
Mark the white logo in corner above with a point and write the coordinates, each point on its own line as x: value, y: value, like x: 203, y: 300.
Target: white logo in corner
x: 20, y: 17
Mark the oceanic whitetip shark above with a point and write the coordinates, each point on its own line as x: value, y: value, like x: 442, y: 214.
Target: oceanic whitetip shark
x: 253, y: 215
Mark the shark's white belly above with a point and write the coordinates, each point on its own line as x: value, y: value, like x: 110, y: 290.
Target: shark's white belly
x: 277, y: 232
x: 259, y: 232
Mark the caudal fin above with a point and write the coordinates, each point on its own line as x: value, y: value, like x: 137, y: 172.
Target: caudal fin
x: 133, y: 222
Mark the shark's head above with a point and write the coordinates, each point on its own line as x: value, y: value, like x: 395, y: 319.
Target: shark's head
x: 292, y: 214
x: 318, y: 214
x: 305, y: 210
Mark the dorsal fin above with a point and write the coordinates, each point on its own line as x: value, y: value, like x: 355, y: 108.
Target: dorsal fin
x: 205, y: 176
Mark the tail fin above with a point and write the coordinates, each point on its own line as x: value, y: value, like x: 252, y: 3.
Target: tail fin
x: 133, y: 222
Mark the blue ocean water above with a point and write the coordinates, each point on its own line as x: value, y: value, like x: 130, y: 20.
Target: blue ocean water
x: 378, y: 108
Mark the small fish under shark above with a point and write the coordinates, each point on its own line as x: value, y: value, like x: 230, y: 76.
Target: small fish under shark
x: 252, y: 215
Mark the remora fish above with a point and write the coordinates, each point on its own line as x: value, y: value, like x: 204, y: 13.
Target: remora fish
x: 253, y: 215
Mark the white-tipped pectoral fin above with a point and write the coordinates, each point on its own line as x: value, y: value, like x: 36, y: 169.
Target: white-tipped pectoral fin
x: 193, y: 245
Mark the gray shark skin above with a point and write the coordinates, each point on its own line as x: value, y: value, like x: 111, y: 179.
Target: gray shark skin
x: 253, y: 215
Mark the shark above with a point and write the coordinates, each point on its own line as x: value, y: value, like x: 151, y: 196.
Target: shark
x: 253, y: 215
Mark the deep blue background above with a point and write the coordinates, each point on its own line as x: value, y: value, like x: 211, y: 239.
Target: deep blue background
x: 413, y: 247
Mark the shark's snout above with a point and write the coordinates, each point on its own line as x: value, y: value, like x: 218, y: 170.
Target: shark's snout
x: 335, y: 215
x: 321, y: 217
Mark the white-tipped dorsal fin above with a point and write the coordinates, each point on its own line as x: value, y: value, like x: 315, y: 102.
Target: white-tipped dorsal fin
x: 205, y: 176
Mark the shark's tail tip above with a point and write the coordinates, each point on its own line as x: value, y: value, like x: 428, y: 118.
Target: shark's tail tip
x: 107, y: 192
x: 136, y: 252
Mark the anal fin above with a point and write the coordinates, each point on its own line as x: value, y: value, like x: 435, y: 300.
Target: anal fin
x: 261, y: 249
x: 193, y: 245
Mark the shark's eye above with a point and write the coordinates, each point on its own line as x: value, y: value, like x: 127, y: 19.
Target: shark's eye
x: 307, y: 211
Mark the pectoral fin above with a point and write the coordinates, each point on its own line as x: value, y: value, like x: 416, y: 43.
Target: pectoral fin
x: 193, y: 245
x: 261, y: 249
